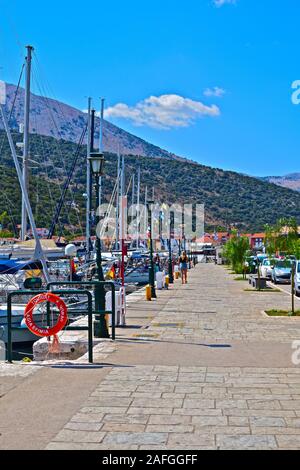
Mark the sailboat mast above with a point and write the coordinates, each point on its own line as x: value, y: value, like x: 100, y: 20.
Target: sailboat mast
x: 123, y: 216
x: 101, y: 125
x: 138, y: 208
x: 122, y: 221
x: 26, y: 138
x: 118, y: 200
x: 88, y: 184
x: 132, y: 203
x: 101, y: 148
x: 145, y: 217
x: 39, y: 254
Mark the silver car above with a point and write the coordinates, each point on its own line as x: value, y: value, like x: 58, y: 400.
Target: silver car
x: 282, y: 271
x: 297, y: 279
x: 266, y: 268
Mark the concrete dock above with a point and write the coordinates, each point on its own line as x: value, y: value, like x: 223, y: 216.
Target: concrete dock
x: 201, y: 367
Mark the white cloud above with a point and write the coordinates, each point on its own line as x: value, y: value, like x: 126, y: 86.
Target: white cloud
x: 215, y: 91
x: 220, y: 3
x: 163, y: 112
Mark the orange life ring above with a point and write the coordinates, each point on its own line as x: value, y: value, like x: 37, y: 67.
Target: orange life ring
x: 62, y: 318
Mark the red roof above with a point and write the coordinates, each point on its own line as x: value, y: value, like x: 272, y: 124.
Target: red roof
x: 258, y: 235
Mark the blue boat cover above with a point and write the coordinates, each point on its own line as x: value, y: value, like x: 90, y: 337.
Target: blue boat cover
x: 12, y: 266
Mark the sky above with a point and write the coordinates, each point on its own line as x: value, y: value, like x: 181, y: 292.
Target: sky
x: 210, y: 80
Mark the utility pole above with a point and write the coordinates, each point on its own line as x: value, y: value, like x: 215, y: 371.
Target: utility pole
x: 26, y: 138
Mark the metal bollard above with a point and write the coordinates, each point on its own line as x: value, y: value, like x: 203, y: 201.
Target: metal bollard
x: 148, y: 292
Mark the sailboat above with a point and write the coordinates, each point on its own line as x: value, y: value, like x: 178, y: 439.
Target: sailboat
x: 31, y: 256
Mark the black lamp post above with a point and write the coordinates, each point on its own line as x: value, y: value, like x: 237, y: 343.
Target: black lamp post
x: 151, y: 269
x: 183, y: 230
x: 100, y: 328
x: 171, y: 277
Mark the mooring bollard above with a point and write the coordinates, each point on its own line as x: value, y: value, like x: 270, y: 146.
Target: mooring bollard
x: 160, y: 280
x: 148, y: 292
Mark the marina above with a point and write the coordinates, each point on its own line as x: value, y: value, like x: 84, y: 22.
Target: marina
x: 149, y: 231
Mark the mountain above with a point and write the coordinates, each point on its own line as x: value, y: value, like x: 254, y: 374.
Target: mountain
x: 291, y: 181
x: 228, y: 197
x: 53, y: 118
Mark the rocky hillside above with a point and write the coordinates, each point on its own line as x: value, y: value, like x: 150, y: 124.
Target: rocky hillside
x: 228, y: 197
x: 291, y: 181
x: 55, y: 119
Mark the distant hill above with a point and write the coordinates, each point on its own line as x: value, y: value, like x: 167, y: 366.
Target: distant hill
x: 61, y: 121
x: 228, y: 197
x: 291, y: 181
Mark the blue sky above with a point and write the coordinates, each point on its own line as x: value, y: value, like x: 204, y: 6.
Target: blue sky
x: 176, y: 52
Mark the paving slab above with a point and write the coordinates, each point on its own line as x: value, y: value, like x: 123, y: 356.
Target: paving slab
x: 199, y: 368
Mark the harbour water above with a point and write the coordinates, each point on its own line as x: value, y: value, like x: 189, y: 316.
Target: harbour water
x: 22, y: 350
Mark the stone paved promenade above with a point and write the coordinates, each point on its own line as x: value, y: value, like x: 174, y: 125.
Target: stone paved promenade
x: 200, y: 368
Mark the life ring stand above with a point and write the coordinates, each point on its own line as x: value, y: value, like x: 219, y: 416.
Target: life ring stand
x: 62, y: 318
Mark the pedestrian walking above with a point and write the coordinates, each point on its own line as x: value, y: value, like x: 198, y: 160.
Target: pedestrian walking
x: 183, y: 263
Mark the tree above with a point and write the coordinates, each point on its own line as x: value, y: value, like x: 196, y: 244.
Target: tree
x: 3, y: 232
x: 3, y: 217
x: 283, y: 237
x: 235, y: 251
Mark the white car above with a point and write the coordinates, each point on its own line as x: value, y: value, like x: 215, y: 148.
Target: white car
x: 265, y: 268
x: 297, y: 279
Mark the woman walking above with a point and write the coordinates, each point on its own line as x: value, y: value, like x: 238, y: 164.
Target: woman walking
x: 183, y: 262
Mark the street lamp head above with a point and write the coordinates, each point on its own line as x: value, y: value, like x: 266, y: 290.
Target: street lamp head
x: 96, y: 160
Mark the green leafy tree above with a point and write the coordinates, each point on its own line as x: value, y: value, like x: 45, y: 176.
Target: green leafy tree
x: 3, y: 217
x: 283, y: 237
x: 235, y: 252
x: 4, y: 233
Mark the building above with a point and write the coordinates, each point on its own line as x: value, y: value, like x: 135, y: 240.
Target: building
x: 42, y: 232
x: 257, y: 241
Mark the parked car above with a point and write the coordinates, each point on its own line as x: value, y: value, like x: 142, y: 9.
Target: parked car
x: 282, y: 271
x: 297, y: 279
x: 251, y: 264
x: 266, y: 268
